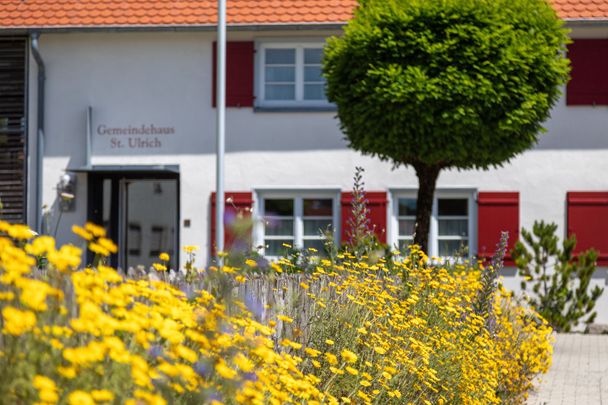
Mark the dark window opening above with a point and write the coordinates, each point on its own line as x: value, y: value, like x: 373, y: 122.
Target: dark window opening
x: 13, y: 175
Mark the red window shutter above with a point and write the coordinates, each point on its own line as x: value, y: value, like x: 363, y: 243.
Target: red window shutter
x: 497, y: 212
x: 377, y: 205
x: 588, y: 220
x: 239, y: 74
x: 237, y: 204
x: 589, y: 82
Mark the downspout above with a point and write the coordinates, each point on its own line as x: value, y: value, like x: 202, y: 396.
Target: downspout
x: 40, y: 129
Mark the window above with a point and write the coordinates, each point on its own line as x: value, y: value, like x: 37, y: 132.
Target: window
x: 13, y: 138
x: 289, y: 74
x: 588, y: 221
x: 451, y: 226
x: 300, y: 221
x: 589, y: 61
x: 407, y: 221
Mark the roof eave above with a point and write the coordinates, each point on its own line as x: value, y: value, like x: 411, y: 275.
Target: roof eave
x: 334, y: 25
x: 586, y: 22
x: 176, y: 27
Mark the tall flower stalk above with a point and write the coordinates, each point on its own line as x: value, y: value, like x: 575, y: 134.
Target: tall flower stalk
x: 489, y: 284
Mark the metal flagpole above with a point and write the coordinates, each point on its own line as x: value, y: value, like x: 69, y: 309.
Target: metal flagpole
x: 221, y: 126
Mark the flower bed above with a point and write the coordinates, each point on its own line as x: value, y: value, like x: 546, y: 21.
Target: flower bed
x: 347, y: 332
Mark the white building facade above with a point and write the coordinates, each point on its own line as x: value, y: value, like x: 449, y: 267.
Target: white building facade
x: 128, y: 129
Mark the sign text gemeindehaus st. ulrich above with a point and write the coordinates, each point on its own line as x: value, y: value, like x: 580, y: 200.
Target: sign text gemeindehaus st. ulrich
x: 135, y: 137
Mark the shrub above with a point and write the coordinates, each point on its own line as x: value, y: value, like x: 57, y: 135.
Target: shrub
x: 417, y: 342
x: 559, y: 280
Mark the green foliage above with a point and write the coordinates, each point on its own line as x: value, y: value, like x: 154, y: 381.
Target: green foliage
x: 559, y: 281
x: 446, y: 83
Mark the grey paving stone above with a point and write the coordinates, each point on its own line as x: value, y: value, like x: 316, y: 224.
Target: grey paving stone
x: 579, y: 373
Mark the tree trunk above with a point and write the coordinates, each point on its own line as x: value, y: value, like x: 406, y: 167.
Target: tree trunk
x: 427, y: 180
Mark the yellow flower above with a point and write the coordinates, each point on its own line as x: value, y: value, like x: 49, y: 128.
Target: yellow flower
x: 96, y: 230
x: 329, y: 342
x: 351, y: 370
x: 186, y: 353
x: 380, y: 350
x: 191, y: 248
x: 17, y: 322
x: 251, y: 263
x: 365, y: 383
x: 67, y: 372
x: 20, y: 232
x: 159, y: 267
x: 80, y: 398
x: 4, y: 226
x: 336, y: 370
x: 285, y: 318
x: 66, y: 258
x: 242, y: 362
x: 40, y: 246
x: 56, y: 344
x: 331, y: 359
x: 83, y: 233
x: 312, y: 352
x: 34, y: 293
x: 223, y: 370
x: 108, y: 245
x: 102, y: 395
x: 164, y: 257
x: 348, y: 356
x: 99, y: 249
x: 47, y: 390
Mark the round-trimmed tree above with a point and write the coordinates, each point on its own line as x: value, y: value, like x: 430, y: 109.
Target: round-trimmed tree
x: 438, y: 84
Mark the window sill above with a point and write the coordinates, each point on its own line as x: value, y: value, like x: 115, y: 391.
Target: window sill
x: 303, y: 108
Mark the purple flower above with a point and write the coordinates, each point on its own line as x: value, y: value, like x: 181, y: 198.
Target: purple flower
x: 250, y: 377
x: 202, y: 369
x: 254, y: 305
x: 155, y: 351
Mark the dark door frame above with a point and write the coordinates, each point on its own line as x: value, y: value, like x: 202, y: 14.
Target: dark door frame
x: 95, y: 201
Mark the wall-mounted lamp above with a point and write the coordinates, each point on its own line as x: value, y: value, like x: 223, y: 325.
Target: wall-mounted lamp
x: 66, y: 192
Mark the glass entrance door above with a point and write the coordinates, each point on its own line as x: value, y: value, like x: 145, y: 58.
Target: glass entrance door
x: 140, y: 212
x: 149, y: 225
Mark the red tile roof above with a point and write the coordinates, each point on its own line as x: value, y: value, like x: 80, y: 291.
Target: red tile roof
x: 581, y: 9
x: 117, y: 13
x: 91, y: 13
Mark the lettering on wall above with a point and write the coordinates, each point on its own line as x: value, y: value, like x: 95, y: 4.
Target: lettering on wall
x: 144, y: 136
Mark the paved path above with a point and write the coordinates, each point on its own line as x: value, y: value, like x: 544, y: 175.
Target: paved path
x: 579, y: 374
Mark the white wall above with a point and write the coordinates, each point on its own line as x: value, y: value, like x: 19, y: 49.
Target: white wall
x: 164, y: 78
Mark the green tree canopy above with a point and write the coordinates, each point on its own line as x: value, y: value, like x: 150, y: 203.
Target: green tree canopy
x: 441, y: 84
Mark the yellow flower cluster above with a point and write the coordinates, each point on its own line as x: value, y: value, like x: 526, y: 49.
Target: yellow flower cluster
x: 379, y: 338
x: 388, y: 333
x: 93, y: 337
x: 95, y: 235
